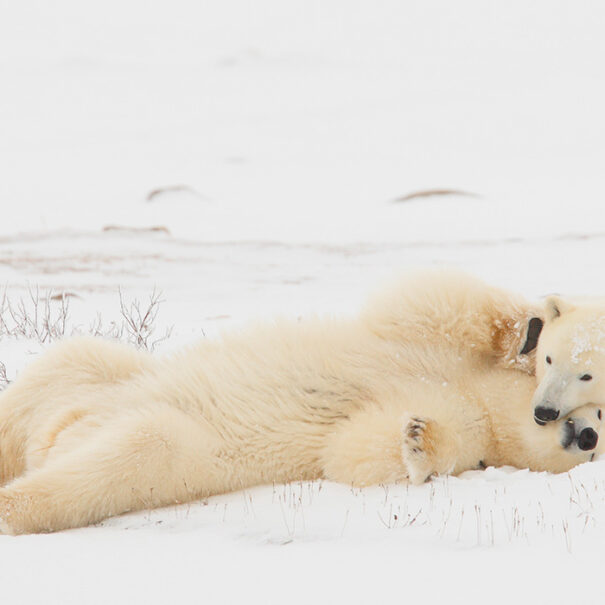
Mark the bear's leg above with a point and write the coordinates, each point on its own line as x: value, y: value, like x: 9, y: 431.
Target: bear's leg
x: 69, y: 366
x: 392, y: 442
x: 366, y: 450
x: 139, y: 459
x: 499, y: 326
x: 456, y: 311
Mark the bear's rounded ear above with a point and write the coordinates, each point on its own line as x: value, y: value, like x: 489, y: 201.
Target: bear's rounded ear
x: 556, y: 306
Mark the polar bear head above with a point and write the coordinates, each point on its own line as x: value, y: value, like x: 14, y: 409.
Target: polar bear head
x: 570, y: 363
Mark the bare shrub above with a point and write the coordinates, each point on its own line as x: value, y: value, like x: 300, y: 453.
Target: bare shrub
x: 34, y: 318
x: 138, y: 321
x: 136, y: 325
x: 4, y: 381
x: 45, y: 318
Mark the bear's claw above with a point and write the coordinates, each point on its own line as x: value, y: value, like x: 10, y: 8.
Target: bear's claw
x: 415, y: 451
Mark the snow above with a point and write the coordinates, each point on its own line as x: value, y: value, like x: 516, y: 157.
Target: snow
x: 268, y: 143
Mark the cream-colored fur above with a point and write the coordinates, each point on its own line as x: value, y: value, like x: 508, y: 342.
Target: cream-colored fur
x: 428, y: 380
x: 573, y: 342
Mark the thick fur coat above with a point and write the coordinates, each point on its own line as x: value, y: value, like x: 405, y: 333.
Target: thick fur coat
x: 429, y: 379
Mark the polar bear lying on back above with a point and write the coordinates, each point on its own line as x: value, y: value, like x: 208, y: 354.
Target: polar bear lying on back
x: 434, y: 377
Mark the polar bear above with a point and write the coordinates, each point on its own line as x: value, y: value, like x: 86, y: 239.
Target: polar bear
x: 435, y: 376
x: 570, y: 355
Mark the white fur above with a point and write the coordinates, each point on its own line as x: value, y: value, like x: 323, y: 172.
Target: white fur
x: 573, y: 339
x: 427, y: 380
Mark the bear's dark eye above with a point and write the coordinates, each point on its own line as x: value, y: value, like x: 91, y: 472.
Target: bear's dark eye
x: 599, y: 414
x: 586, y: 377
x: 548, y: 360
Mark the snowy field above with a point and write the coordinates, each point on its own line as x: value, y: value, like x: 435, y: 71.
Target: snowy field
x: 253, y: 159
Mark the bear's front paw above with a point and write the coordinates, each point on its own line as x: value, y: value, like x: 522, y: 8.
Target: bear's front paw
x: 418, y: 449
x: 514, y: 342
x: 428, y: 449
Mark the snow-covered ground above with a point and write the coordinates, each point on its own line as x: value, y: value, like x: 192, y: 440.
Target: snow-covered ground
x: 248, y: 159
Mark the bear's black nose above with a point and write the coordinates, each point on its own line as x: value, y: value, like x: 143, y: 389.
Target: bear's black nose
x: 587, y: 440
x: 543, y: 415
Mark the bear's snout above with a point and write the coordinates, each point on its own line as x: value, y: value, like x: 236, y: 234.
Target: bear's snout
x: 542, y: 415
x: 587, y: 440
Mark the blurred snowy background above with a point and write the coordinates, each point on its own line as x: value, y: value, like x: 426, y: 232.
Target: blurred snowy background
x: 252, y: 158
